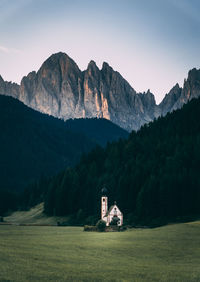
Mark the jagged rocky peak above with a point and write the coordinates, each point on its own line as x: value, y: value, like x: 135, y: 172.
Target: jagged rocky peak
x: 57, y: 58
x: 9, y: 88
x: 106, y: 66
x: 27, y: 87
x: 117, y: 83
x: 55, y: 88
x: 92, y: 69
x: 178, y: 96
x: 170, y: 100
x: 190, y: 90
x: 151, y: 110
x: 61, y: 89
x: 148, y: 100
x: 1, y: 79
x: 31, y: 76
x: 148, y: 96
x: 92, y: 65
x: 176, y: 87
x: 194, y: 76
x: 175, y: 92
x: 107, y: 71
x: 59, y: 63
x: 2, y: 85
x: 191, y: 87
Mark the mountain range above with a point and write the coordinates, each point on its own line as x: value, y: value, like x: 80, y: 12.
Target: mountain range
x: 62, y: 90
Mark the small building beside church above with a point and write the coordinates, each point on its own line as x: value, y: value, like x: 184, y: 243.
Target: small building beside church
x: 113, y: 215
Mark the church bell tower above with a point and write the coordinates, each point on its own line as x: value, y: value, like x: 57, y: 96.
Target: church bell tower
x: 104, y: 203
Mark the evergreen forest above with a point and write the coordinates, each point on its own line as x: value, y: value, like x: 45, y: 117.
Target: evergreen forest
x: 153, y: 175
x: 34, y: 145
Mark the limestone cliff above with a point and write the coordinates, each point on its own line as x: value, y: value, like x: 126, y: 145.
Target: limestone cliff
x: 170, y: 99
x: 178, y: 96
x: 62, y: 90
x: 9, y: 88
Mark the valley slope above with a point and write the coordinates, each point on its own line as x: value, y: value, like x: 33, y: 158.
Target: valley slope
x: 153, y: 176
x: 33, y: 145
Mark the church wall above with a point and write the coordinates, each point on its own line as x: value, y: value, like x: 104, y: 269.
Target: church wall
x: 114, y: 211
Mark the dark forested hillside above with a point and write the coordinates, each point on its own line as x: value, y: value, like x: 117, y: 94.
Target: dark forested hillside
x: 34, y: 145
x: 154, y: 175
x: 99, y: 130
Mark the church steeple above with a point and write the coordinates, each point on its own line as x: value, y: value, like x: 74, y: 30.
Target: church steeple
x: 113, y: 215
x: 104, y: 202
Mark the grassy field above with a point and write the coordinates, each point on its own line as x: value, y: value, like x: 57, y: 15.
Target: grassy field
x: 50, y: 253
x: 34, y: 216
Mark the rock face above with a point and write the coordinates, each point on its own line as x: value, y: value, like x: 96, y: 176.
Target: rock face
x: 177, y: 96
x: 61, y: 89
x: 170, y: 99
x: 191, y: 88
x: 9, y: 88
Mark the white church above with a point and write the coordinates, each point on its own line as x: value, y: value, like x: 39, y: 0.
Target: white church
x: 113, y: 215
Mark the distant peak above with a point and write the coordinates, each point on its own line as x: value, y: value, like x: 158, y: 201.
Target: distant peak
x: 58, y: 56
x: 194, y: 74
x: 177, y: 85
x: 106, y: 68
x: 33, y: 73
x: 92, y: 64
x: 105, y: 65
x: 149, y: 93
x: 1, y: 78
x: 193, y: 70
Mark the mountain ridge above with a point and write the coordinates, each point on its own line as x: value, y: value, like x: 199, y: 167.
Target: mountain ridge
x: 59, y: 88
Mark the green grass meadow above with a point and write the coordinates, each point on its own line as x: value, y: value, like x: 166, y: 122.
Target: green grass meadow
x: 51, y: 253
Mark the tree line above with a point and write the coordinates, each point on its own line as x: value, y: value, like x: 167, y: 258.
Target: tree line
x: 153, y: 175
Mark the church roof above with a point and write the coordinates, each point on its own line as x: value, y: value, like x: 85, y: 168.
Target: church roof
x: 111, y: 207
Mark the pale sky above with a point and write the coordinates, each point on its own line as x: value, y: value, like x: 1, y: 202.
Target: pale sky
x: 152, y: 43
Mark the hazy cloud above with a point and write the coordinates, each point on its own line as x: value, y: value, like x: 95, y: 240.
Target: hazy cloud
x: 9, y: 50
